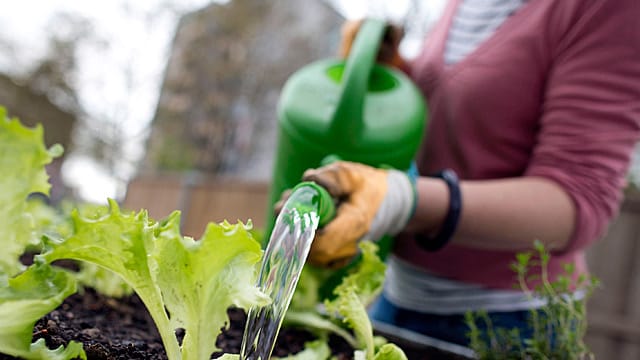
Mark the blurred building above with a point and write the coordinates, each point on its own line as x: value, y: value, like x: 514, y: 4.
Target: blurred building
x: 217, y: 108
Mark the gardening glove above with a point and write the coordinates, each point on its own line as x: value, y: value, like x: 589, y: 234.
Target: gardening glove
x: 388, y: 53
x: 372, y: 203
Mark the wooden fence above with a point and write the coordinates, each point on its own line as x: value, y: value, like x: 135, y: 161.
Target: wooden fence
x: 200, y: 199
x: 614, y: 310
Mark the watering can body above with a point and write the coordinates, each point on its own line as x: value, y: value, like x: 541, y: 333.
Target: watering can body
x: 354, y: 110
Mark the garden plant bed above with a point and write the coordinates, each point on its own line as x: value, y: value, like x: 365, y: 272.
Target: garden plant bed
x: 121, y: 329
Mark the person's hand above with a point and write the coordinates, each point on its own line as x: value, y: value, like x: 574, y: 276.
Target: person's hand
x: 372, y: 203
x: 388, y: 53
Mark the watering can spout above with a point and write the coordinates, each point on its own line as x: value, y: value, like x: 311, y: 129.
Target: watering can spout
x: 322, y: 202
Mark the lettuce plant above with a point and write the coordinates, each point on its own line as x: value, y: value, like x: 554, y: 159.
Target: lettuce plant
x: 23, y: 156
x: 183, y: 283
x: 357, y: 290
x: 25, y: 299
x: 57, y: 222
x: 26, y: 296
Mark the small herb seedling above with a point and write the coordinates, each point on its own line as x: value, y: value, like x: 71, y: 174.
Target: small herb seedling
x: 558, y: 327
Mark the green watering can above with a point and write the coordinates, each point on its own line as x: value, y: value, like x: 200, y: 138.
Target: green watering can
x: 355, y: 110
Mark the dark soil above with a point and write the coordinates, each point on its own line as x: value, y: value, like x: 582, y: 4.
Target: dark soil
x: 121, y: 329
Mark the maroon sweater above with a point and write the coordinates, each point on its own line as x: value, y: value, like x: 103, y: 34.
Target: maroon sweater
x: 555, y: 92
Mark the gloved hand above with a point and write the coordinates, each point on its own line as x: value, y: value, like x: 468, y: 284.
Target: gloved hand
x: 372, y: 203
x: 388, y: 53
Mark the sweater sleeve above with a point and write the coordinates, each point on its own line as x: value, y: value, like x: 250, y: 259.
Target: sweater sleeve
x: 591, y: 114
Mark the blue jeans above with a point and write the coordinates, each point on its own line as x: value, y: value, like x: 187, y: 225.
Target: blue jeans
x: 449, y: 328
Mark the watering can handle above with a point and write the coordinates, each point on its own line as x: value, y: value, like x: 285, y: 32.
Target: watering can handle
x: 348, y: 119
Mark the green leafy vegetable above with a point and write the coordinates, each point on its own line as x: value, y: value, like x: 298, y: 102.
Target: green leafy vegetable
x: 90, y: 275
x: 218, y: 271
x: 313, y: 350
x: 27, y: 298
x: 23, y: 156
x: 367, y: 281
x: 315, y: 320
x: 102, y: 280
x: 390, y: 352
x: 229, y: 357
x: 357, y: 290
x: 355, y: 315
x: 39, y: 351
x: 193, y: 281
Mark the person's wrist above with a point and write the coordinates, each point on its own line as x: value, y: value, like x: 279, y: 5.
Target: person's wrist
x: 449, y: 224
x: 397, y: 206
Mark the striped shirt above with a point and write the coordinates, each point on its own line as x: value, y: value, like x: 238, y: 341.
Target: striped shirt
x: 411, y: 287
x: 474, y: 22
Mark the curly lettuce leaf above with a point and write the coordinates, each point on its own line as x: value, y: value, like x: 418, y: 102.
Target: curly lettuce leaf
x: 229, y: 357
x: 390, y: 352
x: 355, y: 315
x: 58, y: 222
x: 39, y: 351
x: 26, y: 298
x: 313, y: 350
x: 345, y: 311
x: 102, y: 280
x: 23, y: 156
x: 217, y: 271
x: 183, y: 283
x: 356, y: 291
x: 119, y: 242
x: 368, y: 278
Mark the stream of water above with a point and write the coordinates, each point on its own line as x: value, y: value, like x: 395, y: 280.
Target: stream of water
x: 283, y: 260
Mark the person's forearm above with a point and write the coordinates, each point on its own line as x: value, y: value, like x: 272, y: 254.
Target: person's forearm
x: 504, y: 214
